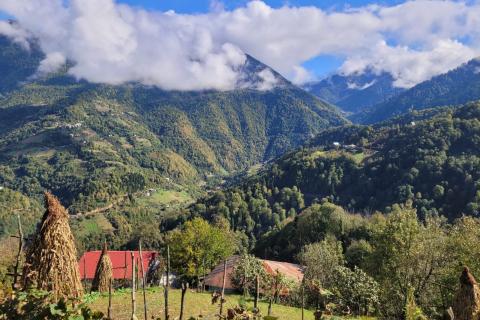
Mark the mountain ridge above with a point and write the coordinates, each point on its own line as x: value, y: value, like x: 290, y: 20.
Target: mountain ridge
x: 455, y: 87
x: 355, y: 92
x: 90, y: 142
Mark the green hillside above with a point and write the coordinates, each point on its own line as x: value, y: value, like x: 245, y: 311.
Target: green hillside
x: 90, y: 144
x: 432, y: 163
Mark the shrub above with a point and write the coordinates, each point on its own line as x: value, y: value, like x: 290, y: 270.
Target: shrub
x: 356, y: 291
x: 41, y: 305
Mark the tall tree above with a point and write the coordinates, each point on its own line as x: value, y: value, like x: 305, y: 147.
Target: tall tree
x: 199, y: 245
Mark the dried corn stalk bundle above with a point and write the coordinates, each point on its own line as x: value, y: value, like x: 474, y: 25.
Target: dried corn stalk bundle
x: 103, y: 273
x: 466, y: 305
x: 51, y: 259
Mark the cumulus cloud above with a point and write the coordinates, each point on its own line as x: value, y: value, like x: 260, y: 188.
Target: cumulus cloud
x: 267, y: 80
x: 115, y: 43
x: 409, y: 67
x: 14, y: 32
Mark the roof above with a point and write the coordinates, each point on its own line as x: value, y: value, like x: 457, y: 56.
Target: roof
x: 289, y: 270
x: 121, y: 263
x: 215, y: 277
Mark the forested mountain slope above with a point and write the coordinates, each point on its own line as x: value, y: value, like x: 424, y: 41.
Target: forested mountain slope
x: 356, y: 92
x: 433, y: 163
x: 455, y: 87
x: 89, y: 143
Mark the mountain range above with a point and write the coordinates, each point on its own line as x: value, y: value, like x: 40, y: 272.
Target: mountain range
x: 455, y: 87
x: 355, y: 92
x: 370, y: 97
x: 89, y: 143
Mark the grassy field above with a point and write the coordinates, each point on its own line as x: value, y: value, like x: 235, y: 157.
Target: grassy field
x: 196, y: 304
x: 165, y: 197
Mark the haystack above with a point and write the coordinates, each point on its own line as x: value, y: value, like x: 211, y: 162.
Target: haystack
x: 103, y: 273
x: 51, y: 259
x: 466, y: 305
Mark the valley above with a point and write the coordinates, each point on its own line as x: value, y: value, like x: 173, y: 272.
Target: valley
x: 364, y: 188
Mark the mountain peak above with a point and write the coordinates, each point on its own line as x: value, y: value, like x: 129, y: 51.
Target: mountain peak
x: 455, y: 87
x: 355, y: 92
x: 258, y: 76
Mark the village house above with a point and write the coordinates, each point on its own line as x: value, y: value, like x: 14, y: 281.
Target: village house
x: 122, y: 266
x: 214, y: 280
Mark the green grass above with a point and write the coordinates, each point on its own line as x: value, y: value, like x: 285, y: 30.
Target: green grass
x: 195, y: 304
x: 94, y: 224
x: 166, y: 197
x: 358, y: 157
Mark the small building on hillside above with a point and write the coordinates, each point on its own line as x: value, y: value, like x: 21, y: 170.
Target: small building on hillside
x: 122, y: 264
x: 214, y: 280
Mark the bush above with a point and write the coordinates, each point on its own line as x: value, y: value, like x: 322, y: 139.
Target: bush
x: 355, y: 291
x: 41, y: 305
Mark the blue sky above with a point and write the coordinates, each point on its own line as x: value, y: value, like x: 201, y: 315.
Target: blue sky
x: 194, y: 6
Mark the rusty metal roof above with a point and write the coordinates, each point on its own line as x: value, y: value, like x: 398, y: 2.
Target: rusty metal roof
x: 290, y: 270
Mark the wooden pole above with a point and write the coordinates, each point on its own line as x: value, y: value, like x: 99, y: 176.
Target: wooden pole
x: 184, y: 291
x: 303, y: 300
x: 134, y: 302
x: 204, y: 275
x: 257, y: 291
x: 167, y: 284
x: 270, y: 302
x: 126, y: 269
x: 222, y: 298
x: 109, y: 311
x: 143, y: 281
x: 85, y: 271
x: 19, y: 252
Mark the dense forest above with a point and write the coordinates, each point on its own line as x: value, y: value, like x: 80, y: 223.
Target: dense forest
x: 432, y: 163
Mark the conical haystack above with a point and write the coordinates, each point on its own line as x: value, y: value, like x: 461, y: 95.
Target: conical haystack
x: 466, y: 305
x: 104, y: 272
x: 51, y: 260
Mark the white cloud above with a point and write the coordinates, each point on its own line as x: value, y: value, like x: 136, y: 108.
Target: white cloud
x: 353, y: 85
x: 14, y: 32
x: 52, y: 62
x: 115, y: 43
x: 409, y: 67
x: 267, y: 80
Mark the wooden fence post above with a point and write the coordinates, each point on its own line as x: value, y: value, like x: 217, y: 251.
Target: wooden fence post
x: 109, y: 311
x: 222, y: 298
x: 303, y: 299
x: 204, y: 275
x: 19, y: 252
x: 270, y: 301
x: 85, y: 271
x: 257, y: 291
x: 143, y: 281
x: 134, y: 302
x: 167, y: 284
x: 184, y: 291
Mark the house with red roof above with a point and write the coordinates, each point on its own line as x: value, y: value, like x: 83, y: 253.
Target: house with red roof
x: 121, y: 263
